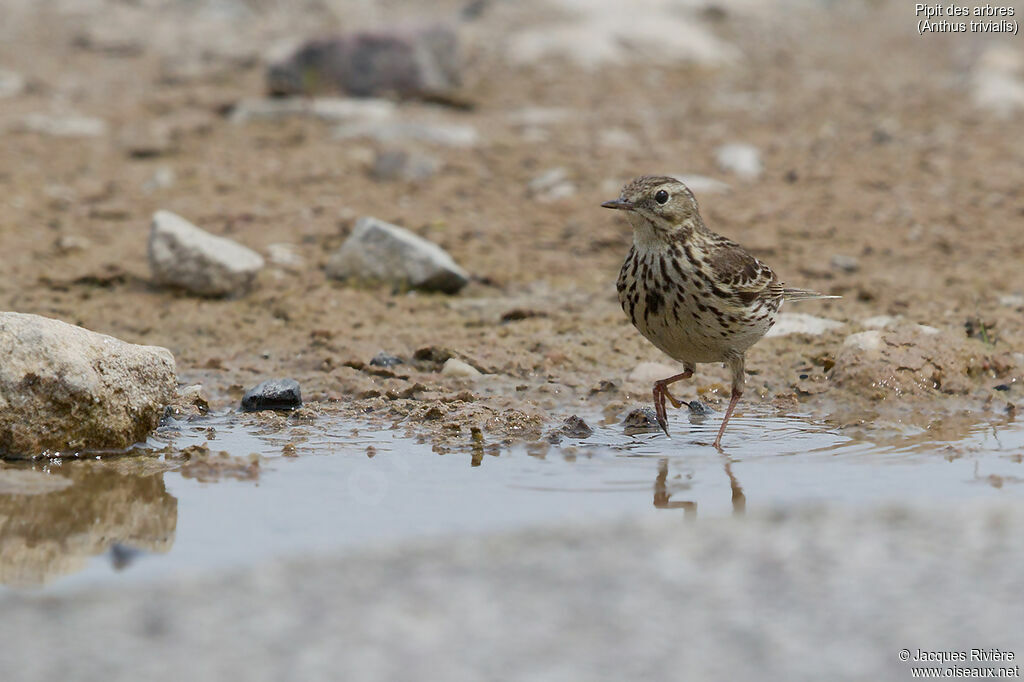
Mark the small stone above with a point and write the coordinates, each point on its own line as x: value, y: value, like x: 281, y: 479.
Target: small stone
x: 459, y: 136
x: 64, y: 389
x: 551, y: 185
x: 397, y: 164
x: 743, y: 160
x: 285, y: 256
x: 649, y: 372
x: 328, y: 109
x: 190, y: 403
x: 383, y: 359
x: 70, y: 243
x: 421, y: 62
x: 454, y: 367
x: 575, y: 427
x: 273, y: 394
x: 800, y: 323
x: 64, y: 126
x: 845, y: 263
x: 1012, y: 301
x: 699, y: 409
x: 640, y: 419
x: 183, y: 255
x: 11, y: 83
x: 380, y: 252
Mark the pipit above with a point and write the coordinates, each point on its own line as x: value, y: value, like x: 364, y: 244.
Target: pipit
x: 696, y: 295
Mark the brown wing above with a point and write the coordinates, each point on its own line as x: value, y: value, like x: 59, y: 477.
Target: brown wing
x: 742, y: 275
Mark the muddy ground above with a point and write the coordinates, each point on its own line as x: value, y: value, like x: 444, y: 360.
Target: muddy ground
x: 877, y: 143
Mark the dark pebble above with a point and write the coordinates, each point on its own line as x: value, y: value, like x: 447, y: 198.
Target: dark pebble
x: 574, y: 427
x: 640, y: 419
x: 697, y: 407
x: 1003, y: 387
x: 383, y: 359
x: 273, y: 394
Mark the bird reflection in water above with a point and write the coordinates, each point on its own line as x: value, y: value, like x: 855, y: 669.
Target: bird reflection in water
x: 662, y: 496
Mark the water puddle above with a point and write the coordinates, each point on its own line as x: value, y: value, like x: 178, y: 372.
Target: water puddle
x: 68, y: 524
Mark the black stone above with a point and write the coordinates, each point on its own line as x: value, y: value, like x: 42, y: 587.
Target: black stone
x: 698, y: 408
x: 383, y: 359
x: 273, y: 394
x: 1003, y: 387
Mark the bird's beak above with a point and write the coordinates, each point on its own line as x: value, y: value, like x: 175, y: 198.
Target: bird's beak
x: 619, y: 204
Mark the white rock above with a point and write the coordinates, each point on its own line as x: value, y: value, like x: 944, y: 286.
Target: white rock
x: 1012, y: 301
x: 285, y: 256
x: 926, y: 329
x: 845, y: 263
x: 601, y: 32
x: 552, y: 185
x: 441, y: 134
x: 880, y: 321
x: 182, y: 255
x: 64, y: 126
x: 457, y: 368
x: 742, y: 159
x: 377, y: 251
x: 329, y: 109
x: 800, y: 323
x: 701, y: 184
x: 649, y: 372
x: 867, y: 341
x: 66, y: 389
x: 11, y: 84
x: 997, y: 81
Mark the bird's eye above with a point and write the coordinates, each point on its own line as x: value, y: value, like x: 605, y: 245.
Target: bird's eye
x: 661, y: 197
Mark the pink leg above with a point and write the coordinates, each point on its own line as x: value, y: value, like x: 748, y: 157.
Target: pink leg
x: 661, y: 393
x: 736, y: 393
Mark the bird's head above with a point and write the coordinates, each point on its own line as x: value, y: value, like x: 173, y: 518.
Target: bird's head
x: 658, y: 207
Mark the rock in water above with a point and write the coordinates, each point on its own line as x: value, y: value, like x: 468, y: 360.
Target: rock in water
x: 182, y: 255
x: 64, y: 389
x: 422, y: 62
x: 273, y: 394
x: 380, y: 252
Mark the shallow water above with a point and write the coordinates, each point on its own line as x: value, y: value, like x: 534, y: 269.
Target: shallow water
x: 89, y: 522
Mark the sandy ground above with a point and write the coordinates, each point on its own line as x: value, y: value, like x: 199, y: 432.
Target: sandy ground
x: 874, y: 145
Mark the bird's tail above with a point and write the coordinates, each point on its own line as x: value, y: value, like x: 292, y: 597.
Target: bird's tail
x: 803, y: 295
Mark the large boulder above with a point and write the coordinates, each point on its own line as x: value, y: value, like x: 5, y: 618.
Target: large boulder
x: 64, y: 389
x: 417, y: 62
x: 185, y: 256
x: 378, y: 252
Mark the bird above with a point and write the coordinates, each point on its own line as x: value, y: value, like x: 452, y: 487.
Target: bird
x: 697, y: 296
